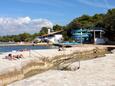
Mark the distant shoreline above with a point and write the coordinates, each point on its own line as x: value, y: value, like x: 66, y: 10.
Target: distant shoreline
x: 25, y: 44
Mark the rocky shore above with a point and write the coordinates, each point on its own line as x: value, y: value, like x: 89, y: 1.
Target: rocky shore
x: 38, y: 61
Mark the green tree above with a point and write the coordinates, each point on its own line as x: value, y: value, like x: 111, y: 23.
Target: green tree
x: 73, y: 25
x: 109, y: 23
x: 24, y: 37
x: 57, y: 27
x: 44, y: 30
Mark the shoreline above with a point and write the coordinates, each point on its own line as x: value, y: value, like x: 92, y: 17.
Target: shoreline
x: 93, y: 72
x: 45, y: 62
x: 16, y: 44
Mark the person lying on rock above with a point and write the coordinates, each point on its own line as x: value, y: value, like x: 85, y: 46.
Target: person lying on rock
x: 19, y: 56
x: 10, y: 57
x: 14, y: 57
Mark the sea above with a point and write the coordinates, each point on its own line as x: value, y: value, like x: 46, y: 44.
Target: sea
x: 10, y: 48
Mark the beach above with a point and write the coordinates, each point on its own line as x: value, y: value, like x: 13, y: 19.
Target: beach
x: 99, y: 74
x: 94, y: 72
x: 57, y: 43
x: 48, y: 59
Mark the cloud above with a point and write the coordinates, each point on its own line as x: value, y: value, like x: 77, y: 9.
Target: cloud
x: 12, y: 26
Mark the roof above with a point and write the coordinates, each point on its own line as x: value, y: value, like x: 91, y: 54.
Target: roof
x: 97, y: 30
x: 86, y: 30
x: 52, y: 33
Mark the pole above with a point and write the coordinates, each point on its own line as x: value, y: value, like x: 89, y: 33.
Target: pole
x: 81, y: 35
x: 100, y: 34
x: 79, y: 64
x: 81, y: 46
x: 94, y: 37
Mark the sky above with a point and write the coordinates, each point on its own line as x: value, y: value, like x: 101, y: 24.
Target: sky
x: 17, y: 16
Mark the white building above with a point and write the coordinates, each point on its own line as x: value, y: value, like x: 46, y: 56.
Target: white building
x: 56, y: 38
x: 52, y: 37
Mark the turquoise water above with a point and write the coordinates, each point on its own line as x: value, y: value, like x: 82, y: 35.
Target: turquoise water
x: 20, y: 47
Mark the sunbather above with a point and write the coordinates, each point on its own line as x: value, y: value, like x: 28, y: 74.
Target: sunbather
x: 19, y: 56
x: 14, y: 57
x: 10, y: 57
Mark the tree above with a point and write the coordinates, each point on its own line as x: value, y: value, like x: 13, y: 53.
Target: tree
x: 73, y: 25
x: 57, y: 27
x: 106, y: 21
x: 43, y: 31
x: 85, y: 21
x: 109, y: 23
x: 24, y: 37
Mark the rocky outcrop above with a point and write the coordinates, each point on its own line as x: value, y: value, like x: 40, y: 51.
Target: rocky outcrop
x: 58, y: 62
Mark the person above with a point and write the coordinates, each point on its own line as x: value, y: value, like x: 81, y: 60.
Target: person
x: 10, y: 57
x: 19, y: 56
x: 60, y: 48
x: 13, y: 57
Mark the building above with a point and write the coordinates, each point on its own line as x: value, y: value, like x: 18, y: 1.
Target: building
x: 51, y: 37
x: 81, y: 36
x: 98, y: 37
x: 89, y: 36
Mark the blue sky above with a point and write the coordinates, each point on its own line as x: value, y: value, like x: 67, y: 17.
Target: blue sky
x: 18, y: 16
x: 57, y: 11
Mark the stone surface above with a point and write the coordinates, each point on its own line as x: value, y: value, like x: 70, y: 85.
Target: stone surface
x: 95, y: 72
x: 12, y: 70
